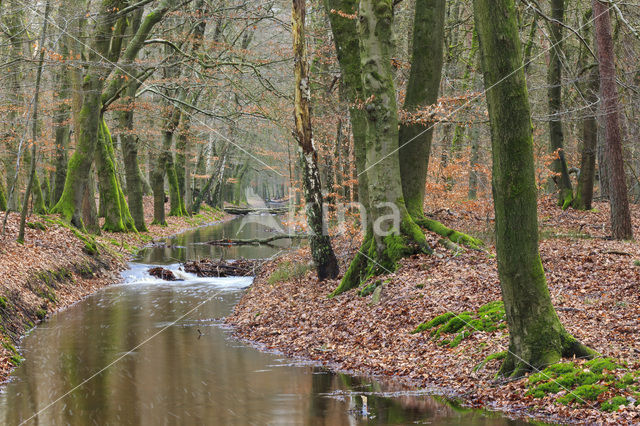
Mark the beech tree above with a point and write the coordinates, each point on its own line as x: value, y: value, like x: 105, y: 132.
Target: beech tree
x: 620, y: 213
x: 536, y: 336
x: 368, y: 76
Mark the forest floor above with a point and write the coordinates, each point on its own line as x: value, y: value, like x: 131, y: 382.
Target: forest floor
x: 594, y: 284
x: 56, y: 267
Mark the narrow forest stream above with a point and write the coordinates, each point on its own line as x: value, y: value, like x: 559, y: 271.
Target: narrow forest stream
x: 149, y: 352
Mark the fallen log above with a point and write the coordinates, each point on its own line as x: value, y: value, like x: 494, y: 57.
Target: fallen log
x: 223, y: 268
x: 255, y: 241
x: 247, y: 210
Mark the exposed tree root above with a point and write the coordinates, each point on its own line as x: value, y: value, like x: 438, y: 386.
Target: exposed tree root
x: 454, y: 236
x: 379, y: 256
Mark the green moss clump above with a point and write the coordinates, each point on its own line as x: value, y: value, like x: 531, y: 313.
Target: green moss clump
x: 41, y: 314
x: 614, y: 403
x: 497, y: 355
x: 582, y: 393
x: 489, y: 318
x: 455, y: 324
x: 369, y: 289
x: 37, y: 225
x: 597, y: 365
x: 561, y: 368
x: 3, y: 302
x: 16, y: 360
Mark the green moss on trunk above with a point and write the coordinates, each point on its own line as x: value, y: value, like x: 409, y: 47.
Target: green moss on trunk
x: 110, y: 204
x: 536, y: 336
x: 422, y: 91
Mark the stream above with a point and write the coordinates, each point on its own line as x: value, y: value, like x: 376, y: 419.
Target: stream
x: 150, y: 352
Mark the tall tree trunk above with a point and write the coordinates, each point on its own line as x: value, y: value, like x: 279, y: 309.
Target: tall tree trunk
x: 345, y: 37
x: 133, y: 175
x: 34, y: 128
x: 61, y: 124
x: 321, y: 251
x: 584, y: 191
x: 422, y: 91
x: 620, y: 214
x: 473, y: 162
x: 536, y: 336
x: 561, y: 179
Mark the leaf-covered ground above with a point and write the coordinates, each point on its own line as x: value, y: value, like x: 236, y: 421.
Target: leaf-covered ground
x: 52, y: 270
x: 594, y: 283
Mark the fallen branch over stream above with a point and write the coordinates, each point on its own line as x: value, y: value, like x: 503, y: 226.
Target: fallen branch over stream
x: 247, y: 210
x: 255, y: 241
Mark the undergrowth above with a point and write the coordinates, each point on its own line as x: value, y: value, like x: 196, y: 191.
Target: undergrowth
x: 287, y: 271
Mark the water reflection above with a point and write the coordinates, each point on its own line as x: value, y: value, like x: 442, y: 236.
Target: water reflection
x: 191, y: 245
x: 149, y: 352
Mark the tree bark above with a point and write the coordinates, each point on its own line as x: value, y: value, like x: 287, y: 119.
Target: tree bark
x: 133, y: 175
x: 584, y: 191
x: 321, y: 251
x: 536, y: 336
x: 34, y: 127
x: 422, y: 91
x: 620, y: 214
x: 112, y: 201
x: 561, y: 179
x: 345, y: 37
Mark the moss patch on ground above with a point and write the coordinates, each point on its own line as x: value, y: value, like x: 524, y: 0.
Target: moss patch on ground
x: 602, y: 382
x: 451, y: 329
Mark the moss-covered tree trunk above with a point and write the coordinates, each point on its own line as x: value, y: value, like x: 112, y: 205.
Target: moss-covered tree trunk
x: 3, y: 198
x: 61, y: 126
x: 393, y: 233
x: 89, y: 116
x: 165, y: 164
x: 156, y: 180
x: 345, y: 37
x: 89, y: 210
x: 422, y: 91
x: 536, y: 336
x: 320, y: 244
x: 133, y: 175
x: 584, y: 191
x: 620, y: 213
x: 112, y: 201
x: 474, y: 160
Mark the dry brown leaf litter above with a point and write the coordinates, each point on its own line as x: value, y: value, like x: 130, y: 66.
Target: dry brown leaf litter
x: 593, y: 282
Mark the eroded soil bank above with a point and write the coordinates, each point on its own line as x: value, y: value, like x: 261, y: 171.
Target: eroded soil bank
x: 57, y: 266
x: 594, y: 283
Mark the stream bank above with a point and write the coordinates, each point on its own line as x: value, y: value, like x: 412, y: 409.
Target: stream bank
x: 593, y: 283
x: 57, y: 266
